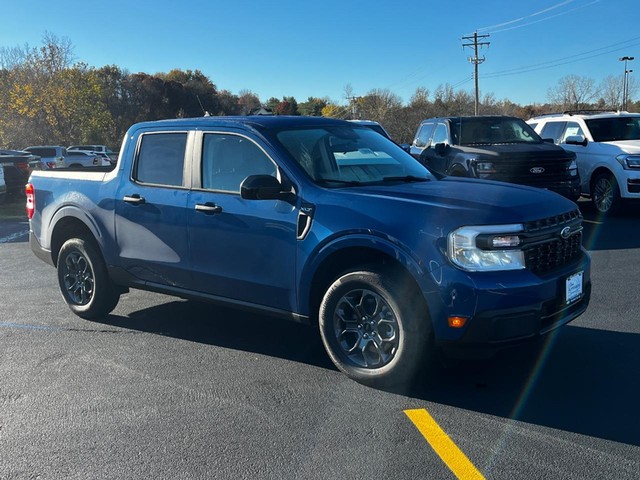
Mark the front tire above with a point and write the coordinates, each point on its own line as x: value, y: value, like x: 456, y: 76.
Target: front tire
x: 83, y: 280
x: 605, y: 194
x: 375, y: 327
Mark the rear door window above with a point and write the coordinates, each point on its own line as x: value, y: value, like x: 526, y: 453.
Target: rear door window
x: 160, y: 159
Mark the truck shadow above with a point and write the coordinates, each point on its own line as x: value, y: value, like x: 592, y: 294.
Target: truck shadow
x: 580, y: 380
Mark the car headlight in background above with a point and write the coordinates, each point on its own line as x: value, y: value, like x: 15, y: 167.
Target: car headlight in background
x: 483, y: 168
x: 486, y: 248
x: 573, y: 168
x: 629, y: 162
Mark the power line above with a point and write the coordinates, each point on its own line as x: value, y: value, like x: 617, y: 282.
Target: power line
x: 561, y: 61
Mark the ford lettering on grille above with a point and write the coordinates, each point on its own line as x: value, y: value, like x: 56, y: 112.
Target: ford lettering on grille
x: 537, y: 170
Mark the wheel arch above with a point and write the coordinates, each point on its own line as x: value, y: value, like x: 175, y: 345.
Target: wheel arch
x: 599, y: 171
x: 351, y: 257
x: 68, y: 225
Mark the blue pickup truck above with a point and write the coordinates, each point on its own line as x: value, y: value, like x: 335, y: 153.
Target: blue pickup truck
x: 320, y: 221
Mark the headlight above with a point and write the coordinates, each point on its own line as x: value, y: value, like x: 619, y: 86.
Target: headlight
x: 573, y: 168
x: 485, y: 167
x: 495, y: 250
x: 629, y: 162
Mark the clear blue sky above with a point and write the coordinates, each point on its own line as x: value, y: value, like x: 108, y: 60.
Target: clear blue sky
x: 315, y: 48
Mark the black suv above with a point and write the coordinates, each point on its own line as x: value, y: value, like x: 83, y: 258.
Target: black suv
x: 495, y: 148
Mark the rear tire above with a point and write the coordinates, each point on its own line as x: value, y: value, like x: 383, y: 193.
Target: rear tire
x: 83, y: 279
x: 375, y: 327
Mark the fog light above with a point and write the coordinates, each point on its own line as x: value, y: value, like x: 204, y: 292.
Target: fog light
x: 457, y: 322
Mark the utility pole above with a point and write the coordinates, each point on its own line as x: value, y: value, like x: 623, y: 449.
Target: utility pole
x: 625, y: 81
x: 475, y: 59
x: 354, y: 102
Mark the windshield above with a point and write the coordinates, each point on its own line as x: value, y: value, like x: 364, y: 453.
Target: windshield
x: 342, y: 155
x: 491, y: 131
x: 612, y: 129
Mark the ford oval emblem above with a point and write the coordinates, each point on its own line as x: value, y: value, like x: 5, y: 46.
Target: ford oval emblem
x: 566, y: 232
x: 537, y: 170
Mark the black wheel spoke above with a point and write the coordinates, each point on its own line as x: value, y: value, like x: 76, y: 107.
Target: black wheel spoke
x: 365, y: 328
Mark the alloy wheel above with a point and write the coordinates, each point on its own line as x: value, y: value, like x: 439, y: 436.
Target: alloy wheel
x: 78, y: 278
x: 366, y: 329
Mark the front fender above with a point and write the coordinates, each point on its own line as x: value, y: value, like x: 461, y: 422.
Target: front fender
x: 334, y: 256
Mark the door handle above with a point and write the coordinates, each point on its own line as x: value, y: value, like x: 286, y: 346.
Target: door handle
x: 208, y: 208
x: 134, y: 199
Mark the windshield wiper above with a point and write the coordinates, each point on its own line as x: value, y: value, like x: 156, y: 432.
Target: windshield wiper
x: 406, y: 178
x: 352, y: 183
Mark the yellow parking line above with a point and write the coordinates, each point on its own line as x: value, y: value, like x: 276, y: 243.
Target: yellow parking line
x: 450, y: 454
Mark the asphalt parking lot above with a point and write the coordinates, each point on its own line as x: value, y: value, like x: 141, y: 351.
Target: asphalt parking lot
x: 167, y: 388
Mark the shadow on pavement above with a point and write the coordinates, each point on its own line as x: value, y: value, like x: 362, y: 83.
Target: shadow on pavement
x: 229, y: 328
x: 580, y: 380
x: 621, y: 231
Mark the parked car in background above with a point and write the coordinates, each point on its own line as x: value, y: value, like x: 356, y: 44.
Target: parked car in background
x: 111, y: 159
x: 17, y: 165
x: 375, y: 126
x: 51, y: 156
x: 80, y: 158
x: 495, y: 148
x: 101, y: 149
x: 607, y: 148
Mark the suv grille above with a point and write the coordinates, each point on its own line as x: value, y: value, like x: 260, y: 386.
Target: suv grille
x: 545, y: 248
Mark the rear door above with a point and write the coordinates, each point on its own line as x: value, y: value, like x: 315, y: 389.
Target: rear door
x: 243, y: 250
x: 151, y: 224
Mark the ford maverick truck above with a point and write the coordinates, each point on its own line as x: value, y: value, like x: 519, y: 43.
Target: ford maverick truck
x: 320, y: 221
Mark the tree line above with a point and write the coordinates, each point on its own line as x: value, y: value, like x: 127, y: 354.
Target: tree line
x: 46, y: 98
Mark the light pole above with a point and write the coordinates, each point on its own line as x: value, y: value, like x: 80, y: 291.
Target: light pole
x: 625, y: 81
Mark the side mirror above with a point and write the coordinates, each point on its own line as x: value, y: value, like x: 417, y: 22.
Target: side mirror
x: 261, y: 187
x: 576, y: 140
x: 441, y: 148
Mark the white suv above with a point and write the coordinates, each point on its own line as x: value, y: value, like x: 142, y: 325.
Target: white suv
x: 607, y: 147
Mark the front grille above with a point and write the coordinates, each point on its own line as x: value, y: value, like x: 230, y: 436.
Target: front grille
x: 559, y: 221
x: 518, y: 170
x: 545, y: 249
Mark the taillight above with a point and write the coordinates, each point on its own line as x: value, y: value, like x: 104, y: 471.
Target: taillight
x: 22, y: 166
x: 51, y: 164
x: 31, y: 200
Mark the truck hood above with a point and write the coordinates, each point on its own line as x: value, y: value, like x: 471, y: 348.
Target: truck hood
x: 505, y: 151
x: 468, y: 201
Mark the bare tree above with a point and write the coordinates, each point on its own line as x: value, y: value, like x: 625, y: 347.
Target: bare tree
x: 573, y: 92
x: 11, y: 57
x: 610, y: 91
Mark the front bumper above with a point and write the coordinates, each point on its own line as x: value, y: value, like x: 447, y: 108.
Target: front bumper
x: 506, y: 308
